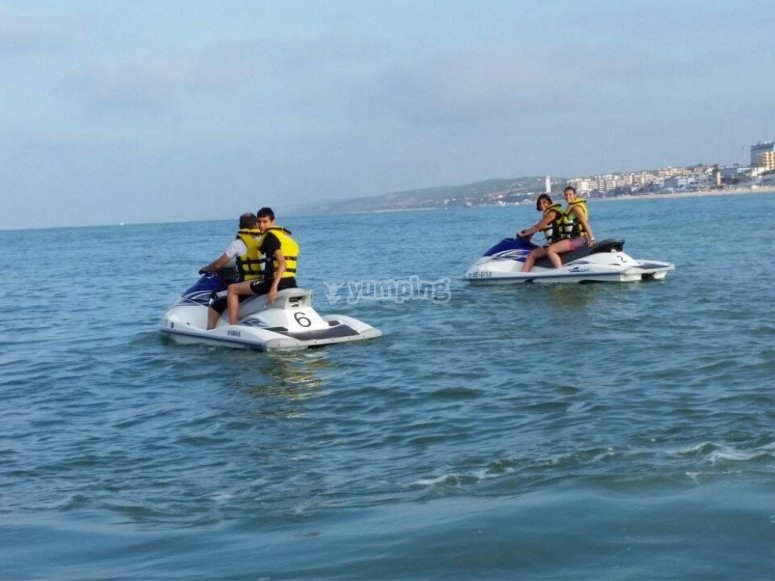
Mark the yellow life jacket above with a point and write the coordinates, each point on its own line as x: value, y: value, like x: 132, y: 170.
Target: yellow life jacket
x: 574, y: 228
x: 555, y: 230
x: 250, y: 264
x: 289, y: 248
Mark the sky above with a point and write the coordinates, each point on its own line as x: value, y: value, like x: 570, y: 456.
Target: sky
x: 181, y: 110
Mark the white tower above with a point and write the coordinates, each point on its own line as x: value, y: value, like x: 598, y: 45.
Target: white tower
x: 548, y: 185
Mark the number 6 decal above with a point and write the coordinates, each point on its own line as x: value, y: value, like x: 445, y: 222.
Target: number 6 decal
x: 302, y: 319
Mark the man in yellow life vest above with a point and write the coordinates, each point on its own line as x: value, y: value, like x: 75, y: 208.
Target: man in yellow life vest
x: 244, y: 249
x: 280, y: 252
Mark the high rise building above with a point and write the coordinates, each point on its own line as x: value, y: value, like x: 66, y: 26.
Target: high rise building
x: 763, y: 155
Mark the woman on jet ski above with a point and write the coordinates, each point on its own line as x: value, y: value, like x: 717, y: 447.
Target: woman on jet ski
x: 551, y: 224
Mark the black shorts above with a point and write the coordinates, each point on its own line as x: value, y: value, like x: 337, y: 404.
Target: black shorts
x: 259, y: 287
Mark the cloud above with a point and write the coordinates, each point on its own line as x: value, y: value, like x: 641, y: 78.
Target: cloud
x: 284, y: 69
x: 152, y: 81
x: 22, y: 32
x: 494, y: 84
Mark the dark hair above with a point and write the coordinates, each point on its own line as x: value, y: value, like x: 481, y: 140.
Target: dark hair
x: 247, y: 220
x: 571, y: 188
x: 266, y: 213
x: 542, y: 197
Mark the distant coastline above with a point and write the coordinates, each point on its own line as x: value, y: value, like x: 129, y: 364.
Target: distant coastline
x: 696, y: 194
x: 511, y: 192
x: 619, y: 198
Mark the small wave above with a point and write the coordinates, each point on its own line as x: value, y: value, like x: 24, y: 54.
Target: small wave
x: 443, y: 479
x: 510, y: 466
x: 717, y: 453
x: 733, y: 455
x: 223, y: 496
x: 698, y: 450
x: 493, y: 470
x: 447, y: 481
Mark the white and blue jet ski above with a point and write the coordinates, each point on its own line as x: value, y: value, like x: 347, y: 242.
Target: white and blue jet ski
x: 288, y: 323
x: 606, y: 261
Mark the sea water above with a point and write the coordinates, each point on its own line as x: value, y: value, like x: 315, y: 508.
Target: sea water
x: 607, y: 431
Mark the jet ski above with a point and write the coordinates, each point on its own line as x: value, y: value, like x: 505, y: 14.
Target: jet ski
x: 606, y: 261
x: 288, y: 323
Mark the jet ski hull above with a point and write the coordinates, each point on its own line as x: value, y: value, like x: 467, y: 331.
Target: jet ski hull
x: 605, y: 262
x: 289, y: 323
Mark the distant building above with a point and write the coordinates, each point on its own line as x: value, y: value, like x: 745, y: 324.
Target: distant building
x: 676, y: 183
x: 763, y: 155
x: 767, y: 160
x: 733, y: 173
x: 582, y: 185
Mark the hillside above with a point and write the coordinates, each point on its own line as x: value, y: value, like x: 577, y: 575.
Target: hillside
x: 490, y: 191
